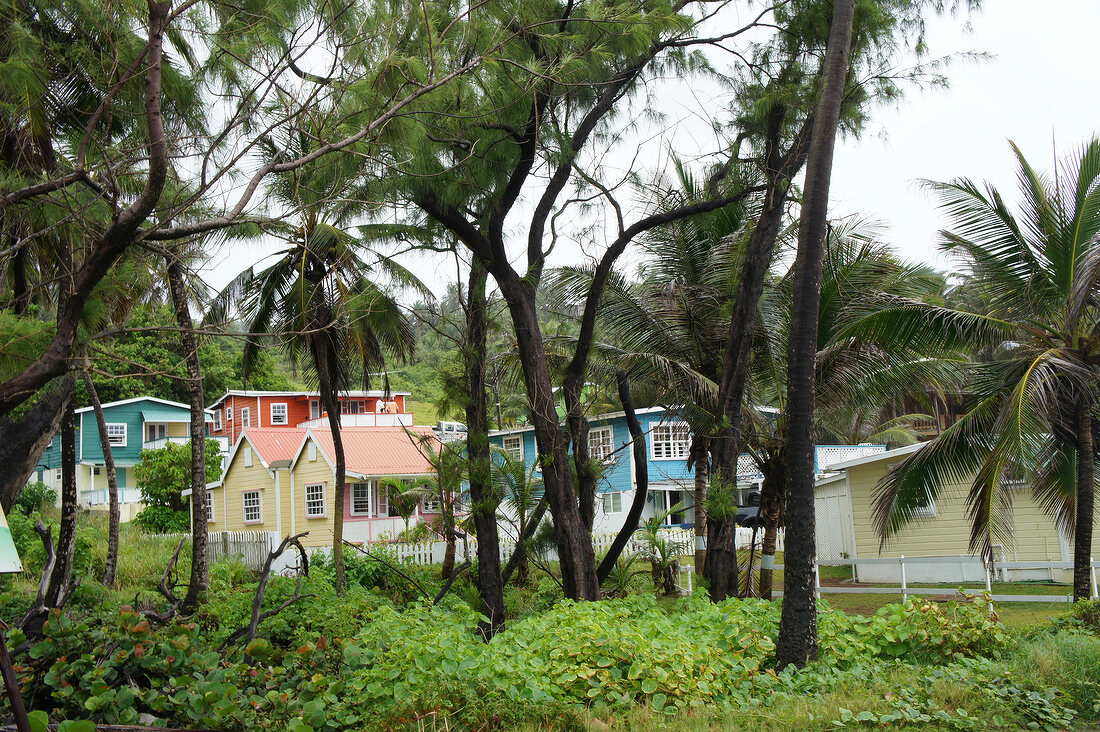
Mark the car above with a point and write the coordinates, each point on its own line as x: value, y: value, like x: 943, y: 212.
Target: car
x: 748, y: 514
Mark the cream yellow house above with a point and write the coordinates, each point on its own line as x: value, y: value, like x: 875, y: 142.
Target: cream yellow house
x: 281, y: 481
x: 940, y: 533
x: 253, y: 492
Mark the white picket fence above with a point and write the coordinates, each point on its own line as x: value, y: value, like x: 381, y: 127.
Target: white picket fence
x: 682, y: 541
x: 251, y: 546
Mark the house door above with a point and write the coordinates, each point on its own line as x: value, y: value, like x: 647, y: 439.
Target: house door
x: 155, y: 432
x: 675, y: 497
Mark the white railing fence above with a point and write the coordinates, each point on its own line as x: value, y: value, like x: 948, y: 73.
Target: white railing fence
x: 251, y: 546
x: 905, y: 589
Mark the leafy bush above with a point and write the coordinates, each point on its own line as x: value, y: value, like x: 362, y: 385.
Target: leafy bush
x: 36, y: 497
x: 1087, y: 612
x: 163, y: 520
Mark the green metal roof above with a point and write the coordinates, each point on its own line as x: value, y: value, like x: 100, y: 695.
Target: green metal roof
x: 168, y: 415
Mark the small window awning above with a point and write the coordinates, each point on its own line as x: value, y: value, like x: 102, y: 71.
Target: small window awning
x: 169, y: 415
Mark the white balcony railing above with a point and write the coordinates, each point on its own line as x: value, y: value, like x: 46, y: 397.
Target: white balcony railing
x: 364, y: 420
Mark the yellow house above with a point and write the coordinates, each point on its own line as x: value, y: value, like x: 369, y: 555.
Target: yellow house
x: 939, y: 534
x: 281, y: 481
x: 253, y: 493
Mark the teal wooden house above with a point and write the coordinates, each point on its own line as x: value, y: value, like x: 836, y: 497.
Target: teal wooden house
x: 133, y: 425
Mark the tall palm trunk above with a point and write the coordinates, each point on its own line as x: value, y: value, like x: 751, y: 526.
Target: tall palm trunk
x: 700, y: 498
x: 489, y: 583
x: 66, y: 534
x: 797, y: 643
x: 111, y: 569
x: 325, y: 377
x: 200, y: 571
x: 1086, y: 470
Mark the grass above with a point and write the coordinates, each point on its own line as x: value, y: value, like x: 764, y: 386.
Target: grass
x: 424, y: 413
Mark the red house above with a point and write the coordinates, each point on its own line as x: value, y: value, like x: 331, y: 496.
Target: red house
x: 236, y: 410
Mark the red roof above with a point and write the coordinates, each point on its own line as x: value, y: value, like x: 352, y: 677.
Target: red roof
x: 381, y: 450
x: 275, y: 443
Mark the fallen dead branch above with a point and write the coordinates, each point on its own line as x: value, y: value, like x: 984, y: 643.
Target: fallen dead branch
x: 248, y: 633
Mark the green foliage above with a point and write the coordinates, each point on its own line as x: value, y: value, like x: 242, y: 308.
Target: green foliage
x: 164, y: 474
x: 1087, y: 612
x: 36, y: 496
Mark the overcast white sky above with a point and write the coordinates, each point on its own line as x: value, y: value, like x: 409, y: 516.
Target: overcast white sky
x: 1041, y: 87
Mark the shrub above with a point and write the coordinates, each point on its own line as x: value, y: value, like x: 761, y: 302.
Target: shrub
x: 36, y: 497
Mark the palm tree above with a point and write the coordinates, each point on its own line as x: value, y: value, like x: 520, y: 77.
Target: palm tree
x: 318, y: 297
x: 1034, y: 404
x: 521, y: 490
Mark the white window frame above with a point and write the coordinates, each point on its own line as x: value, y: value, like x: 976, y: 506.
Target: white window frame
x: 245, y: 495
x: 665, y: 444
x: 217, y: 420
x: 314, y: 408
x: 516, y: 452
x: 246, y: 417
x: 431, y: 505
x: 381, y: 500
x: 97, y: 470
x: 210, y: 507
x: 366, y: 488
x: 57, y: 475
x: 285, y: 417
x: 610, y: 500
x: 154, y: 426
x: 345, y: 406
x: 247, y: 456
x: 324, y: 501
x: 604, y: 439
x: 229, y: 414
x: 114, y: 440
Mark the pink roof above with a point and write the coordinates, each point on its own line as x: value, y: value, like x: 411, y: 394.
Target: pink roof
x: 381, y: 450
x: 275, y: 443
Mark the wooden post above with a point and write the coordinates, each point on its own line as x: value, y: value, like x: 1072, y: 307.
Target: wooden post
x: 817, y: 581
x: 901, y: 563
x: 989, y: 577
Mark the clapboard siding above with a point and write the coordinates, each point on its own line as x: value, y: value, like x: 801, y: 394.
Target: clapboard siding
x: 306, y: 472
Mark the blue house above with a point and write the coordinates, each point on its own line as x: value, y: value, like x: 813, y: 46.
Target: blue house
x: 133, y: 425
x: 671, y: 477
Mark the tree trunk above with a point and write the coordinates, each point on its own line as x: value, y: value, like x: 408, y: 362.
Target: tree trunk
x: 24, y: 439
x: 702, y: 462
x: 66, y: 535
x: 1082, y: 533
x: 578, y: 561
x: 489, y: 584
x: 771, y: 515
x: 721, y: 566
x: 111, y: 568
x: 200, y: 571
x: 519, y: 562
x: 325, y: 368
x: 797, y: 643
x: 447, y: 518
x: 641, y: 482
x: 585, y: 471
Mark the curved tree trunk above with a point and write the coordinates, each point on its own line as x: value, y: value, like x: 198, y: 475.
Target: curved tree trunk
x: 489, y: 584
x: 111, y: 568
x: 578, y: 561
x: 797, y: 644
x: 1086, y: 470
x: 24, y: 439
x: 721, y: 566
x: 66, y: 535
x: 200, y: 570
x: 641, y: 482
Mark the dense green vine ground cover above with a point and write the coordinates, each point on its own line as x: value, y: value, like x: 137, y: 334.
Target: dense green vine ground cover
x: 379, y: 658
